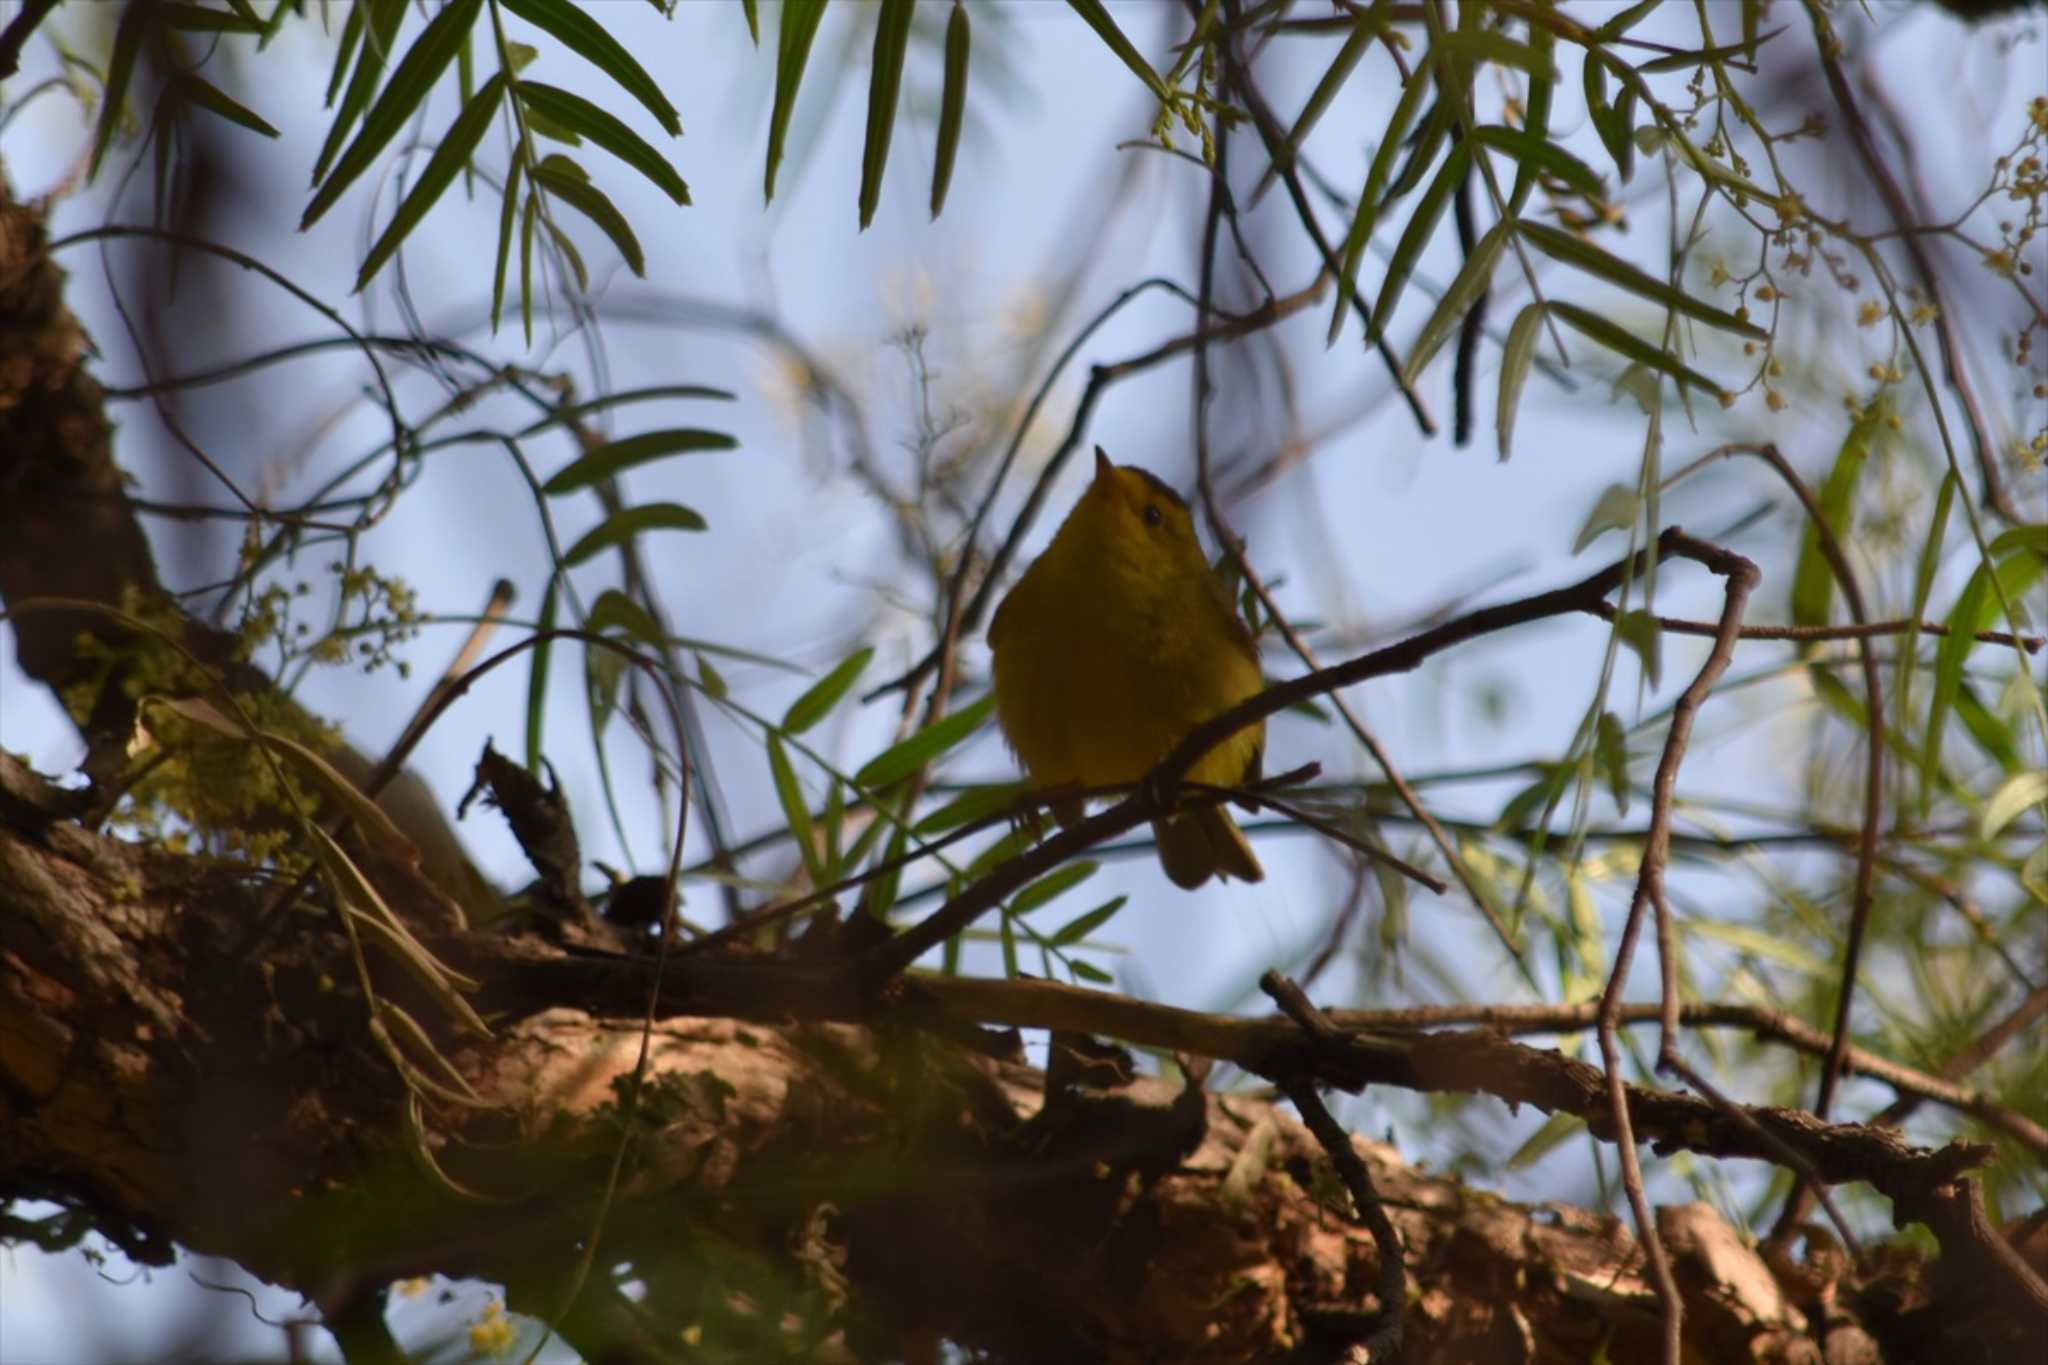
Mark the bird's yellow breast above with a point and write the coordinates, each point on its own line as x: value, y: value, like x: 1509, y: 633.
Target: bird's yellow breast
x: 1105, y: 658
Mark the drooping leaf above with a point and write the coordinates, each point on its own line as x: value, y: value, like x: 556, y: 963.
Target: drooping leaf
x: 1096, y: 16
x: 614, y: 610
x: 1535, y: 117
x: 1640, y: 632
x: 1976, y: 607
x: 1079, y: 927
x: 1813, y: 582
x: 1422, y: 224
x: 898, y: 761
x: 569, y: 183
x: 120, y: 70
x: 800, y: 20
x: 1516, y: 356
x: 1535, y: 152
x: 616, y: 456
x: 790, y: 795
x: 382, y: 33
x: 1368, y: 26
x: 885, y: 81
x: 213, y: 99
x: 819, y: 699
x: 422, y: 65
x: 507, y: 211
x: 1457, y: 300
x: 624, y: 525
x: 1630, y: 346
x: 1371, y: 199
x: 457, y: 146
x: 1616, y: 510
x: 975, y: 803
x: 952, y: 105
x: 1563, y: 247
x: 589, y: 39
x: 580, y: 116
x: 1052, y: 885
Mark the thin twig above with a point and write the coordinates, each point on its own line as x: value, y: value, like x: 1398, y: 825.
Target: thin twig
x: 1741, y: 576
x: 1392, y: 1288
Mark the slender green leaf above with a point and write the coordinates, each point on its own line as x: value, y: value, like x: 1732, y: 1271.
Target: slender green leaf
x: 576, y: 412
x: 1533, y: 151
x: 952, y: 105
x: 566, y: 245
x: 1429, y: 211
x: 421, y: 66
x: 1078, y: 928
x: 1976, y: 606
x: 615, y: 456
x: 975, y: 803
x: 1616, y: 510
x: 2032, y: 537
x: 1367, y: 27
x: 576, y: 30
x: 1516, y: 355
x: 537, y: 671
x: 885, y: 81
x: 1052, y: 885
x: 1371, y: 199
x: 819, y: 699
x: 1477, y: 45
x: 508, y: 210
x: 1088, y: 971
x: 1813, y: 582
x: 1096, y: 16
x: 212, y: 98
x: 799, y: 26
x: 385, y: 18
x: 1563, y: 247
x: 1551, y: 1135
x: 753, y: 12
x: 614, y: 610
x: 899, y: 761
x: 622, y: 526
x: 1923, y: 587
x: 1989, y: 730
x: 1458, y: 299
x: 1610, y: 757
x: 2034, y: 873
x: 1630, y: 346
x: 1611, y: 125
x: 568, y: 182
x: 1640, y: 632
x: 1535, y: 117
x: 794, y: 809
x: 579, y: 115
x: 457, y: 145
x: 120, y: 70
x: 1682, y: 61
x: 526, y: 264
x: 345, y: 51
x: 1624, y: 21
x: 1761, y: 943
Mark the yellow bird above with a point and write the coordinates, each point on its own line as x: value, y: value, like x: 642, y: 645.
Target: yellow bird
x: 1114, y: 644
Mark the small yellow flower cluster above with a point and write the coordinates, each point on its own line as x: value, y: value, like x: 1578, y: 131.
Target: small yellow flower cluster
x: 492, y: 1334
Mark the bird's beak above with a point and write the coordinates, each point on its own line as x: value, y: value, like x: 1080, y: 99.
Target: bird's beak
x: 1102, y: 464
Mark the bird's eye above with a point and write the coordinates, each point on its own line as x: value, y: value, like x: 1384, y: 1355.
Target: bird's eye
x: 1153, y: 516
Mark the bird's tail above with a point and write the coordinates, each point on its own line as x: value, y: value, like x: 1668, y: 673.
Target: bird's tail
x: 1198, y: 844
